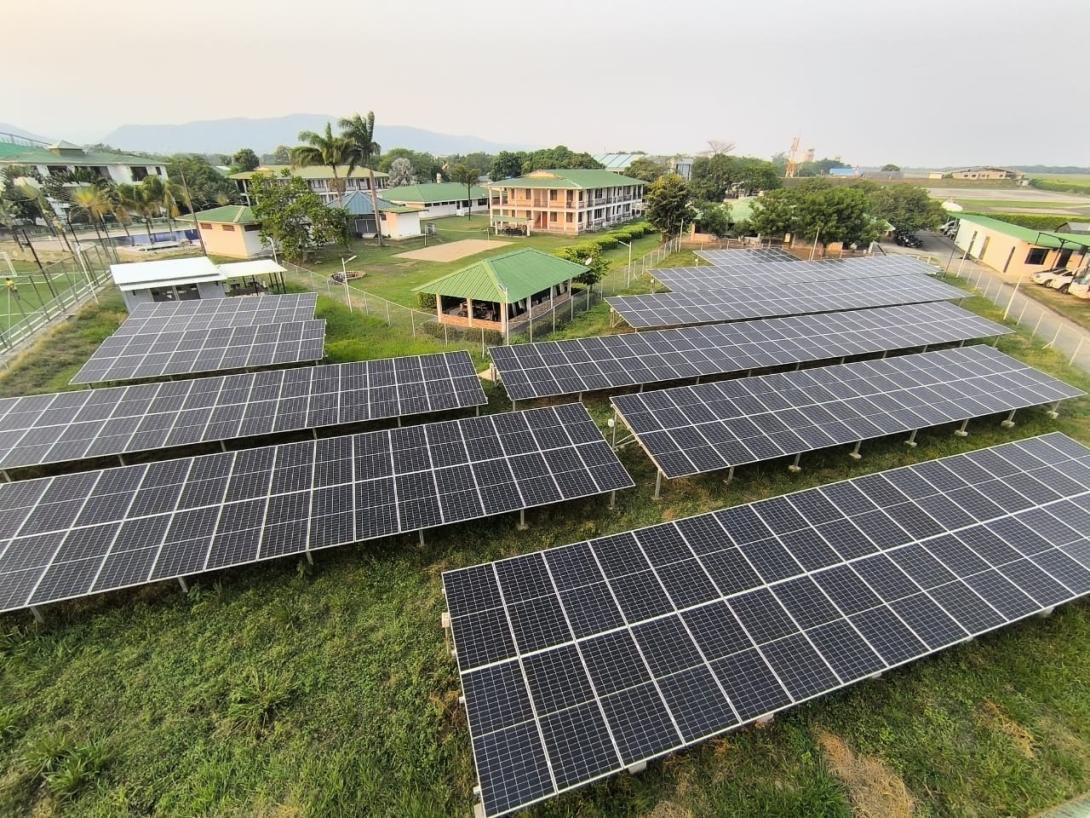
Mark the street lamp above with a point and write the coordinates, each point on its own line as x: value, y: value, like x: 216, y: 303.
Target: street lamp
x: 344, y: 280
x: 628, y: 269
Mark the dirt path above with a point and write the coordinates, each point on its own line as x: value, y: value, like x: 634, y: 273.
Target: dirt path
x: 452, y: 251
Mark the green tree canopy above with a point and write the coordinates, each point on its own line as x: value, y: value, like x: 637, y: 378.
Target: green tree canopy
x: 820, y: 167
x: 506, y: 165
x: 646, y: 169
x: 889, y: 166
x: 668, y: 204
x: 293, y: 216
x: 713, y: 218
x: 558, y: 157
x: 816, y: 212
x: 907, y: 207
x: 468, y: 176
x: 712, y: 176
x: 478, y: 161
x: 326, y: 149
x: 425, y: 166
x: 282, y: 155
x: 207, y: 186
x: 244, y: 159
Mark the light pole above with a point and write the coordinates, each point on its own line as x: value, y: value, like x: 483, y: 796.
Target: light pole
x: 628, y: 269
x: 344, y: 280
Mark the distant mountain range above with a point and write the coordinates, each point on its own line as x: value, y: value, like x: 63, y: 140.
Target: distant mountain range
x: 263, y: 135
x: 7, y: 127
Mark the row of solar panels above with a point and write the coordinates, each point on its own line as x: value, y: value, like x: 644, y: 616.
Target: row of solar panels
x: 582, y: 661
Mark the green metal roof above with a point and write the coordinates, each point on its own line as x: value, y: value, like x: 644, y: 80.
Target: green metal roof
x: 505, y: 278
x: 228, y: 214
x: 434, y: 192
x: 1039, y: 238
x: 309, y: 172
x: 74, y: 156
x: 577, y: 178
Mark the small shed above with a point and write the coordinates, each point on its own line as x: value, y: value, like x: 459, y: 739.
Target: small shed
x: 231, y: 231
x: 398, y: 221
x: 504, y: 292
x: 187, y: 279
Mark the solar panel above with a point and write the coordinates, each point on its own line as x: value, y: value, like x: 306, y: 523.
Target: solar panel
x: 743, y: 303
x: 609, y: 362
x: 681, y: 279
x: 665, y: 636
x: 695, y: 429
x: 745, y: 255
x: 210, y: 313
x: 67, y: 426
x: 171, y: 352
x: 79, y: 534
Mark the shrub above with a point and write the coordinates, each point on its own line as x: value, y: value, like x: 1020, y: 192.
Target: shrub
x: 1061, y: 185
x: 426, y: 300
x: 1033, y: 221
x: 78, y: 769
x: 254, y: 702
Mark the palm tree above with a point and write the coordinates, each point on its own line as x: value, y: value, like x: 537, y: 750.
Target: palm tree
x: 359, y: 133
x: 95, y: 203
x: 468, y: 177
x: 322, y: 149
x: 172, y: 197
x: 149, y: 201
x: 119, y: 206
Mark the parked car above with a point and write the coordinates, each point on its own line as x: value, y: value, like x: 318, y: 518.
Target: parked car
x: 1045, y: 276
x: 1061, y: 282
x: 1080, y: 286
x: 907, y: 240
x: 950, y: 228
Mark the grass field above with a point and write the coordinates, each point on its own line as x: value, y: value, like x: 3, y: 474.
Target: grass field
x: 1000, y: 205
x: 289, y: 691
x: 1076, y: 309
x: 394, y: 278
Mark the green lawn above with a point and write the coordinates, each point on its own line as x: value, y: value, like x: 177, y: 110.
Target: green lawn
x: 1075, y: 206
x: 288, y: 691
x: 31, y: 289
x: 394, y: 278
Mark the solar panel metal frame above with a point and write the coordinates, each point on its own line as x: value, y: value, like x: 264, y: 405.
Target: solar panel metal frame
x: 745, y: 255
x: 659, y: 310
x: 729, y: 645
x: 793, y: 413
x: 67, y: 426
x: 76, y: 535
x: 123, y: 357
x: 699, y: 279
x: 209, y: 313
x: 577, y: 365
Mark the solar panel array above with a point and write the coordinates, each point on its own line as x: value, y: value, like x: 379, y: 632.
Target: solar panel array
x: 746, y: 255
x: 67, y: 426
x: 587, y: 364
x: 787, y: 273
x: 123, y: 357
x: 80, y: 534
x: 743, y: 303
x: 210, y: 313
x: 581, y: 661
x: 695, y: 429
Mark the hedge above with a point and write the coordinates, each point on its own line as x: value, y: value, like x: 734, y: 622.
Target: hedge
x: 1033, y: 221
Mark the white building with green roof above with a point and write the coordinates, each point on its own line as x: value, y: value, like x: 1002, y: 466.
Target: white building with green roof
x: 319, y: 178
x: 65, y: 157
x: 567, y: 201
x: 438, y: 199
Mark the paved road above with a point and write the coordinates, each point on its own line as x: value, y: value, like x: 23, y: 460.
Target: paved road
x: 1050, y: 328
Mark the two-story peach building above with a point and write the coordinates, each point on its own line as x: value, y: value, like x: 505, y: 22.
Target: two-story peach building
x: 564, y: 201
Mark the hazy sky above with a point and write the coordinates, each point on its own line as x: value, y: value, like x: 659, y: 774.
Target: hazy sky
x: 915, y: 82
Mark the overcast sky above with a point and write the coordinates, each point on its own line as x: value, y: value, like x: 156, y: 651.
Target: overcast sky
x: 916, y: 82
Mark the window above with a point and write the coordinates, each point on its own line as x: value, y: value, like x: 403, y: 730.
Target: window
x: 552, y: 215
x: 552, y: 195
x: 251, y: 228
x: 1036, y: 255
x: 230, y: 228
x: 206, y: 225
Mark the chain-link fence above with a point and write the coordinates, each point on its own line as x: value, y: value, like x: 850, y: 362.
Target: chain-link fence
x: 32, y: 301
x: 1044, y: 324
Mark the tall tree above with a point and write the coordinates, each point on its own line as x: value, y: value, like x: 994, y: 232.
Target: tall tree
x: 907, y: 207
x: 712, y: 176
x: 506, y: 165
x: 282, y: 155
x: 645, y: 168
x: 401, y: 172
x: 323, y: 149
x: 292, y: 216
x: 774, y: 213
x: 93, y: 201
x: 207, y: 186
x: 464, y: 174
x: 245, y: 159
x: 668, y: 204
x: 358, y: 134
x: 425, y: 166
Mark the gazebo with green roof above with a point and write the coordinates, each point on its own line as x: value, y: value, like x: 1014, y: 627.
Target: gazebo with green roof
x: 503, y: 292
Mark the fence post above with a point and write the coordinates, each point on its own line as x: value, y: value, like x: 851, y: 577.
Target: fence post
x: 1078, y: 349
x: 388, y: 314
x: 412, y: 318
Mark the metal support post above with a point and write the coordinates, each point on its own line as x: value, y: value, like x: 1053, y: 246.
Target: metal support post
x: 37, y: 615
x: 420, y: 536
x: 522, y: 520
x: 730, y: 476
x: 185, y: 588
x: 1054, y: 412
x: 854, y: 453
x: 612, y: 500
x: 658, y: 484
x: 911, y: 442
x: 961, y: 431
x: 309, y: 556
x: 1009, y: 422
x: 795, y: 468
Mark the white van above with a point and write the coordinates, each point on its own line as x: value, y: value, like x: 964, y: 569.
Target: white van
x: 1046, y: 276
